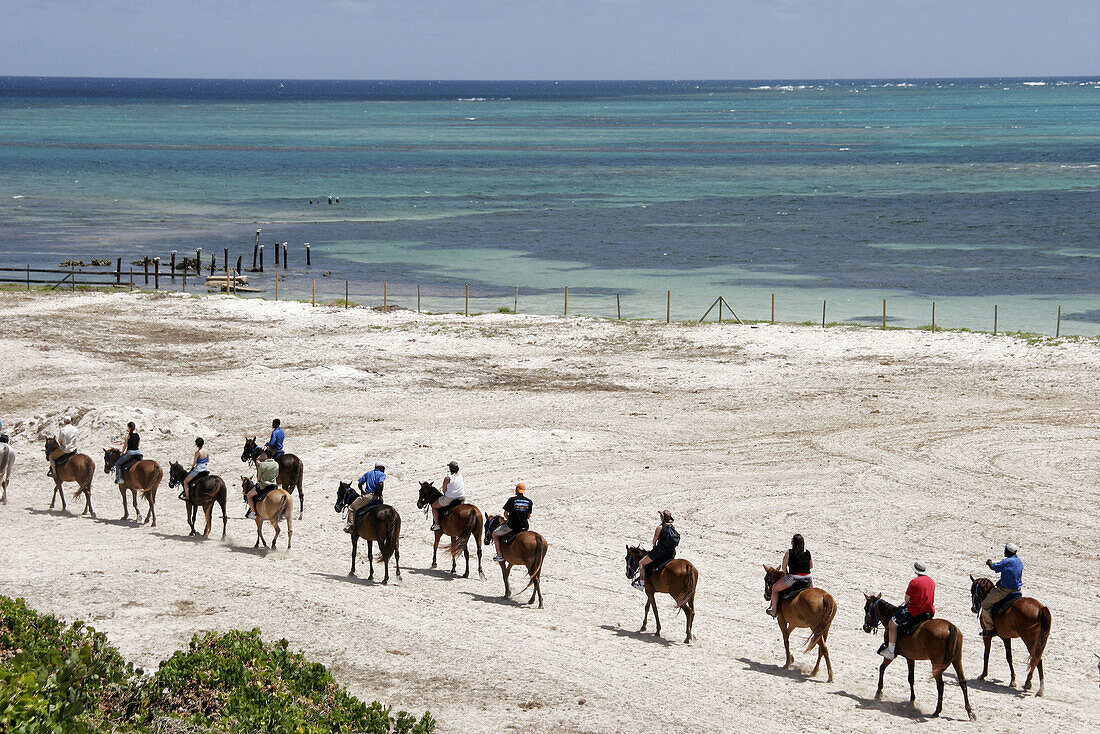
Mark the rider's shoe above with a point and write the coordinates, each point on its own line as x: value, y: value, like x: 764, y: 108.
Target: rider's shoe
x: 886, y: 652
x: 770, y: 612
x: 436, y: 527
x: 638, y: 584
x: 347, y: 529
x: 250, y: 515
x: 498, y: 558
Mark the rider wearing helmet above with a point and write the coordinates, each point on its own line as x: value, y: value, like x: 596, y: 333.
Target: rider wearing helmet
x: 371, y: 485
x: 665, y: 540
x: 920, y: 597
x: 517, y: 510
x: 454, y: 493
x: 1011, y: 581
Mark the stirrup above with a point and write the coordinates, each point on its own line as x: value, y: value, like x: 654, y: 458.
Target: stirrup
x: 638, y: 584
x: 498, y: 558
x: 884, y: 651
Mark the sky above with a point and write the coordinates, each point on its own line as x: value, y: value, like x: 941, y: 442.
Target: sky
x: 550, y: 39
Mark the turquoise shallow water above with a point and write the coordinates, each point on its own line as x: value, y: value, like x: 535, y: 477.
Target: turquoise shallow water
x: 970, y: 193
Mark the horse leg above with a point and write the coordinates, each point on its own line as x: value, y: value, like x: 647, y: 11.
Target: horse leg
x: 912, y: 677
x: 939, y: 696
x: 466, y: 554
x: 828, y: 662
x: 656, y: 616
x: 225, y: 518
x: 1039, y: 667
x: 53, y: 499
x: 435, y: 548
x: 957, y: 663
x: 354, y: 548
x: 151, y: 498
x: 259, y: 532
x: 1011, y: 669
x: 506, y: 569
x: 385, y: 563
x: 985, y: 660
x: 88, y: 499
x: 480, y: 571
x: 786, y: 632
x: 689, y: 614
x: 125, y: 507
x: 370, y: 558
x: 209, y: 510
x: 276, y: 538
x: 881, y: 673
x: 645, y: 618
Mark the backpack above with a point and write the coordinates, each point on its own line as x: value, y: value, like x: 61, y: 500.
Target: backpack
x: 672, y: 538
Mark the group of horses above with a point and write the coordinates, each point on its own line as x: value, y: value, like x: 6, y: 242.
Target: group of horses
x: 936, y: 640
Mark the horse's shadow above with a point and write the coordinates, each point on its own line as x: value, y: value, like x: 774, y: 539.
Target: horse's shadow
x: 55, y: 511
x: 355, y: 580
x: 793, y: 672
x: 994, y: 687
x: 438, y: 573
x: 260, y: 552
x: 121, y: 522
x: 905, y: 710
x: 495, y: 599
x: 185, y: 538
x: 636, y: 635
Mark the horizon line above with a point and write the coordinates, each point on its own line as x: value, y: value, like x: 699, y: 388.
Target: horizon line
x: 556, y: 81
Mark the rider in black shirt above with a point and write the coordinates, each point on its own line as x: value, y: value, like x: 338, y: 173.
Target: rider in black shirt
x: 517, y: 510
x: 665, y: 540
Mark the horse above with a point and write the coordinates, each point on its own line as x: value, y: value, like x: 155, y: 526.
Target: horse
x: 813, y: 608
x: 7, y: 463
x: 527, y: 548
x: 381, y: 524
x: 203, y: 491
x: 290, y: 470
x: 275, y: 505
x: 937, y: 641
x: 80, y: 469
x: 678, y: 579
x: 143, y: 476
x: 459, y: 524
x: 1026, y: 618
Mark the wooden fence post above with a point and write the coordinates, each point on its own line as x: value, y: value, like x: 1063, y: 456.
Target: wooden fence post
x: 313, y: 298
x: 823, y: 314
x: 226, y: 258
x: 131, y: 279
x: 285, y: 258
x: 773, y: 308
x: 309, y: 260
x: 261, y: 258
x: 276, y: 286
x: 467, y: 299
x: 156, y: 273
x: 228, y: 282
x: 198, y: 261
x: 385, y: 297
x: 213, y: 263
x: 185, y: 280
x: 720, y: 302
x: 345, y: 295
x: 173, y: 266
x: 933, y: 317
x: 566, y: 312
x: 515, y: 301
x: 418, y: 298
x: 884, y: 314
x: 72, y: 275
x: 29, y: 283
x: 239, y: 258
x: 145, y: 267
x: 618, y: 307
x: 1058, y: 328
x: 276, y: 254
x: 668, y: 308
x: 994, y: 319
x: 118, y: 271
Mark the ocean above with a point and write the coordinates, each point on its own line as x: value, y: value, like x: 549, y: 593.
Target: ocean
x: 638, y: 196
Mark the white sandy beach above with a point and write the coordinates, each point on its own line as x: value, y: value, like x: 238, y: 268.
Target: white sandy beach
x: 880, y: 447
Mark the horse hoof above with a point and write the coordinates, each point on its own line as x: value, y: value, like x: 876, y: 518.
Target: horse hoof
x: 878, y: 696
x: 981, y: 677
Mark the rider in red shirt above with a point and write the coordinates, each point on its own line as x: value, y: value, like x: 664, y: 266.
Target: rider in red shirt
x: 920, y: 597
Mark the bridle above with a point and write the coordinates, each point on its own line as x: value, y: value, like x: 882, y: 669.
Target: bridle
x: 976, y: 595
x: 872, y: 612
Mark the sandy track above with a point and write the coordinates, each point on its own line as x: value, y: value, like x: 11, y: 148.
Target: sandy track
x: 878, y: 447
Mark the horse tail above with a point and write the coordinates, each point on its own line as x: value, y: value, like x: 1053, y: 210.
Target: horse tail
x: 459, y: 543
x: 284, y: 509
x: 950, y: 649
x: 689, y: 587
x: 1041, y: 641
x: 298, y: 479
x: 821, y: 629
x: 541, y: 546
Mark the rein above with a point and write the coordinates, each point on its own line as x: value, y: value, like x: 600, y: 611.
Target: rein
x: 872, y: 611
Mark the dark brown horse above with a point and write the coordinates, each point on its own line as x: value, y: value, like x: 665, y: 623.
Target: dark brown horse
x: 462, y: 522
x: 381, y: 524
x: 141, y: 477
x: 274, y: 506
x: 937, y: 641
x: 528, y: 548
x: 80, y: 469
x: 1027, y: 619
x: 812, y: 608
x: 290, y: 470
x: 203, y: 492
x: 678, y: 579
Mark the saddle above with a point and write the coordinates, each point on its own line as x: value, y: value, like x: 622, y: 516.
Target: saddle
x: 368, y: 507
x: 658, y: 567
x: 511, y: 535
x: 1005, y: 604
x: 200, y: 475
x: 794, y: 590
x: 914, y: 624
x: 261, y: 493
x: 445, y: 511
x: 60, y: 460
x: 123, y: 466
x: 3, y: 438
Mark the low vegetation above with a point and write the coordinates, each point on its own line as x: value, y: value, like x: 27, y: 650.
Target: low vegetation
x: 67, y: 679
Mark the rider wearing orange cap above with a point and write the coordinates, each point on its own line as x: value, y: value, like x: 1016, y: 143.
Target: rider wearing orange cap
x: 516, y: 511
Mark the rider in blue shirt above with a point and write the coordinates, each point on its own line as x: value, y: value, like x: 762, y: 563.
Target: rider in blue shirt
x: 1012, y: 571
x: 371, y: 484
x: 275, y: 443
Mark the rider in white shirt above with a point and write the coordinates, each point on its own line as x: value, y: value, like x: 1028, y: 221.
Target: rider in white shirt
x: 66, y: 443
x: 454, y: 493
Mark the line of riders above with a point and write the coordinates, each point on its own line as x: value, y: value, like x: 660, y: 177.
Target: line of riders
x: 1002, y: 610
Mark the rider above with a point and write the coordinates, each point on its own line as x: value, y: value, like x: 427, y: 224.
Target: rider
x: 665, y: 540
x: 796, y: 565
x: 198, y: 465
x: 133, y: 440
x: 275, y: 443
x: 454, y: 493
x: 371, y: 485
x: 516, y: 511
x: 66, y: 443
x: 920, y: 597
x: 3, y: 436
x: 1012, y: 571
x: 267, y: 477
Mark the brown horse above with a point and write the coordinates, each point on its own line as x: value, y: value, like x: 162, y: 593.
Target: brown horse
x: 143, y: 476
x: 678, y: 579
x: 275, y: 505
x: 812, y: 608
x: 204, y: 491
x: 459, y: 524
x: 290, y: 470
x: 527, y: 548
x: 1026, y: 618
x: 80, y: 469
x: 937, y: 641
x: 380, y: 523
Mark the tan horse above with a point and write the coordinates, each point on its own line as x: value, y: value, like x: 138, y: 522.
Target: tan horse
x: 1027, y: 619
x: 80, y: 469
x: 937, y: 641
x: 459, y: 524
x: 678, y: 579
x: 141, y: 477
x: 275, y: 505
x: 528, y: 548
x: 812, y: 608
x: 290, y: 470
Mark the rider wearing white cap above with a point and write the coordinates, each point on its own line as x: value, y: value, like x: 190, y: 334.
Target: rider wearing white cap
x: 1012, y: 572
x: 920, y: 598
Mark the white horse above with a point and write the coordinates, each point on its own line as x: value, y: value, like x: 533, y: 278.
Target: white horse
x: 7, y: 463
